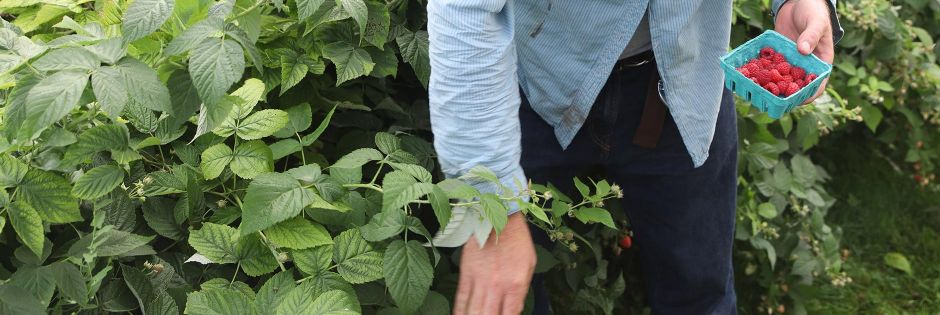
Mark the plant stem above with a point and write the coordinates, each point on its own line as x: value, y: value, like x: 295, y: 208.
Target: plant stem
x: 248, y: 10
x: 273, y: 252
x: 376, y: 176
x: 369, y: 186
x: 303, y: 158
x: 237, y: 266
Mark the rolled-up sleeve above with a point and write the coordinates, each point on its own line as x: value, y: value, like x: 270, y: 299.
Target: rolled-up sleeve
x: 473, y: 91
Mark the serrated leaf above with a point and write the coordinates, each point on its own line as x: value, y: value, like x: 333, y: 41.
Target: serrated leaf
x: 28, y: 225
x: 109, y: 88
x: 400, y: 189
x: 216, y: 242
x: 70, y: 281
x: 214, y: 160
x: 377, y: 24
x: 408, y: 274
x: 272, y: 198
x: 144, y: 86
x: 50, y: 195
x: 261, y: 124
x: 15, y: 300
x: 193, y: 35
x: 355, y: 259
x: 151, y: 300
x: 898, y: 261
x: 214, y: 65
x: 595, y: 215
x: 254, y: 256
x: 440, y: 203
x: 249, y: 21
x: 69, y: 58
x: 120, y: 243
x: 306, y: 8
x: 11, y: 170
x: 358, y: 11
x: 358, y: 158
x: 212, y: 116
x: 298, y: 233
x: 36, y: 280
x: 218, y: 302
x: 162, y: 219
x: 313, y: 260
x: 458, y: 189
x: 351, y: 62
x: 383, y: 225
x: 767, y: 210
x: 299, y: 119
x: 387, y: 143
x: 293, y: 70
x: 284, y: 147
x: 418, y: 172
x: 273, y: 292
x: 251, y: 158
x: 51, y: 100
x: 335, y: 302
x: 98, y: 182
x: 144, y: 17
x: 303, y: 300
x: 494, y: 211
x: 414, y: 50
x: 249, y: 94
x: 313, y: 136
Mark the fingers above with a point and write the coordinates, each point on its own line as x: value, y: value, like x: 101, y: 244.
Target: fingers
x: 462, y: 301
x: 491, y: 304
x: 513, y: 303
x: 811, y: 36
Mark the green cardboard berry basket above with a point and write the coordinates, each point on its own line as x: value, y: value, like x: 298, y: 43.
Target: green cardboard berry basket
x: 759, y: 97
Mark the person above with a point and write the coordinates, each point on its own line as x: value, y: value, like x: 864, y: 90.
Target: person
x: 542, y: 90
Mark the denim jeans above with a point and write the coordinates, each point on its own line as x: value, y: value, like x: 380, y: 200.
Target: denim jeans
x: 682, y: 217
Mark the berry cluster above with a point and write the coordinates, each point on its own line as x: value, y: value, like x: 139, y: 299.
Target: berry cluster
x: 772, y: 71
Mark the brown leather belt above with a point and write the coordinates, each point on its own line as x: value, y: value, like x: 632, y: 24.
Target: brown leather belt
x: 651, y: 123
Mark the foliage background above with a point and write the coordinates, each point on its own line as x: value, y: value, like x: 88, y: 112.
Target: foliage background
x: 134, y: 130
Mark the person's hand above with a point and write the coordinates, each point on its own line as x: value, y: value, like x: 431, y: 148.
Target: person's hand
x: 807, y: 23
x: 495, y: 279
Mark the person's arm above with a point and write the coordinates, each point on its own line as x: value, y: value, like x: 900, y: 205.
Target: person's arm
x: 837, y: 30
x: 473, y: 92
x: 474, y: 105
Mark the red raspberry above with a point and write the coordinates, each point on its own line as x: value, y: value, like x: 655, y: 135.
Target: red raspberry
x: 787, y: 78
x: 772, y: 87
x: 799, y: 82
x: 766, y: 63
x: 626, y: 242
x: 783, y: 68
x: 797, y: 72
x: 762, y: 76
x: 809, y: 78
x: 775, y: 75
x: 791, y: 89
x: 745, y: 72
x: 778, y: 58
x: 753, y: 66
x: 767, y: 52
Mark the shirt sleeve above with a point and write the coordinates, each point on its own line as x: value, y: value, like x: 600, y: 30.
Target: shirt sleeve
x: 837, y: 30
x: 474, y: 92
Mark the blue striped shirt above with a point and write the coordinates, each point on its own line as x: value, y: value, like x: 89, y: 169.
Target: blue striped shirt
x: 561, y: 52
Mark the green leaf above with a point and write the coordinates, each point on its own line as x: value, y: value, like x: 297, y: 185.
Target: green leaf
x: 162, y: 219
x: 494, y: 211
x: 212, y: 116
x: 108, y: 84
x: 312, y: 137
x: 215, y: 64
x: 249, y: 94
x: 386, y: 62
x: 144, y: 17
x: 377, y: 24
x: 872, y: 116
x: 215, y: 159
x: 193, y: 35
x: 400, y: 189
x: 252, y: 158
x: 69, y: 58
x: 387, y: 143
x: 284, y: 147
x: 458, y: 189
x: 273, y: 292
x: 216, y: 242
x: 335, y: 302
x: 254, y: 255
x: 51, y: 100
x: 50, y: 195
x: 14, y: 300
x: 293, y: 70
x: 272, y: 198
x: 414, y: 50
x: 299, y: 119
x: 98, y: 182
x: 70, y: 281
x: 11, y: 171
x: 298, y: 233
x: 358, y: 158
x: 351, y: 62
x: 767, y: 210
x: 261, y: 124
x: 144, y: 86
x: 306, y: 8
x: 121, y: 243
x: 592, y: 215
x: 313, y: 260
x: 150, y: 299
x: 408, y: 274
x: 440, y: 203
x: 898, y: 261
x: 355, y: 259
x: 418, y: 172
x: 803, y: 168
x: 358, y: 10
x: 27, y: 224
x: 383, y: 225
x: 218, y: 302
